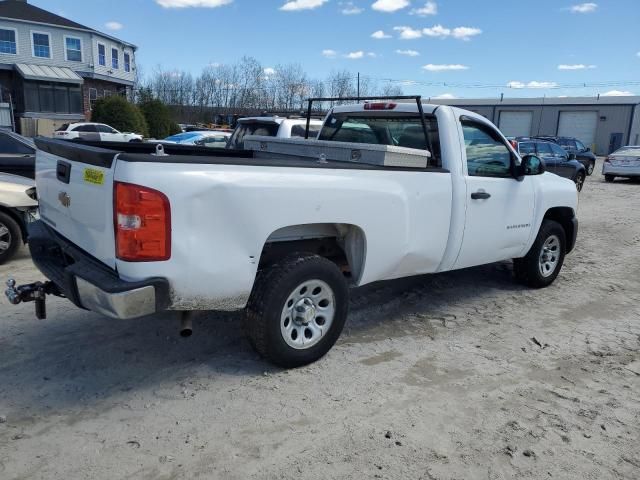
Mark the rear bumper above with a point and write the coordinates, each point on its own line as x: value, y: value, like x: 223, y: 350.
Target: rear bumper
x: 88, y: 283
x: 620, y: 171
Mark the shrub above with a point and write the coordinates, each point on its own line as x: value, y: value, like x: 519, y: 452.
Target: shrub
x: 158, y: 118
x: 118, y: 113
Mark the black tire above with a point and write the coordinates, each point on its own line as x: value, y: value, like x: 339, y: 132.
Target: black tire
x: 609, y: 178
x: 590, y: 168
x: 11, y: 234
x: 528, y: 269
x: 580, y: 178
x: 273, y: 287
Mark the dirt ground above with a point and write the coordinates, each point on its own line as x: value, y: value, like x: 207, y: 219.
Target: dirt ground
x: 463, y: 375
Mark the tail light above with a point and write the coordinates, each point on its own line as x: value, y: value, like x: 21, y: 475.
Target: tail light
x: 380, y: 106
x: 514, y: 144
x: 142, y: 218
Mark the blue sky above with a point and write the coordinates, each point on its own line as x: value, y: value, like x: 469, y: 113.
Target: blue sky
x: 490, y: 44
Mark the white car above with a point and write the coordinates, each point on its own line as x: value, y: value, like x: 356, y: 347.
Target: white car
x: 94, y: 132
x: 283, y: 230
x: 204, y: 138
x: 277, y: 127
x: 624, y: 162
x: 17, y: 207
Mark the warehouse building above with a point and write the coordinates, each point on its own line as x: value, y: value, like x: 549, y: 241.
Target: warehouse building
x: 602, y: 123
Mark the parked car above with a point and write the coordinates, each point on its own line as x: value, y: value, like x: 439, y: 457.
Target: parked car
x: 94, y: 132
x: 272, y: 127
x: 282, y: 236
x: 624, y: 162
x: 17, y: 154
x: 17, y: 207
x: 207, y: 138
x: 556, y: 159
x: 572, y: 145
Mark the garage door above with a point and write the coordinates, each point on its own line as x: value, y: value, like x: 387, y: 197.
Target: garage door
x: 580, y: 125
x: 516, y: 124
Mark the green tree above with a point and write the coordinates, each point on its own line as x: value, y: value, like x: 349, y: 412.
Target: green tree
x: 119, y: 113
x: 157, y: 116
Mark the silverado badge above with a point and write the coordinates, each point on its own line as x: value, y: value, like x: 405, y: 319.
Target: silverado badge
x: 64, y: 199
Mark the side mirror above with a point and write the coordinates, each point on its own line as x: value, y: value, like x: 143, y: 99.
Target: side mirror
x: 532, y: 165
x: 587, y: 149
x: 572, y: 156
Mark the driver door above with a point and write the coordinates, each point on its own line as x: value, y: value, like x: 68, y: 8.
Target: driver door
x: 499, y: 213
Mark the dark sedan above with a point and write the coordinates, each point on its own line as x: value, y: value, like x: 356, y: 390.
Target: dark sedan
x: 17, y: 154
x: 572, y: 145
x: 556, y: 159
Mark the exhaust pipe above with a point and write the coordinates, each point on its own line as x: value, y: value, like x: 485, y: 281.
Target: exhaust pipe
x: 186, y: 324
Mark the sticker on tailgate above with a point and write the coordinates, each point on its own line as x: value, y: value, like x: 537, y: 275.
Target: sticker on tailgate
x: 94, y: 176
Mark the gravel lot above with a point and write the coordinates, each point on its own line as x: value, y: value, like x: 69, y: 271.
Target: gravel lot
x: 464, y: 375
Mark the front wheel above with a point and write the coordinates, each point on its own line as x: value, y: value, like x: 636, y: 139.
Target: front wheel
x: 542, y: 264
x: 609, y: 178
x: 297, y: 310
x: 10, y: 237
x: 580, y: 181
x: 590, y: 168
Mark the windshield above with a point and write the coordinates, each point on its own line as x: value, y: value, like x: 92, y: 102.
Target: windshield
x: 397, y: 130
x: 183, y: 137
x: 266, y: 129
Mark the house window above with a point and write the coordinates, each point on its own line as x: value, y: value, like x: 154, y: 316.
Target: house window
x: 41, y: 45
x: 8, y: 41
x: 127, y: 62
x: 52, y: 97
x: 102, y: 55
x: 93, y: 97
x: 73, y: 49
x: 106, y: 93
x: 114, y: 58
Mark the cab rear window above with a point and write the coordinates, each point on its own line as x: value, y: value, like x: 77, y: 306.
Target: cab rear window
x: 397, y: 130
x: 265, y: 129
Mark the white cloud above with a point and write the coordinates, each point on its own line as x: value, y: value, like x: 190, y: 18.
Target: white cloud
x: 532, y: 84
x: 408, y: 53
x: 269, y: 71
x: 465, y: 33
x: 328, y: 53
x: 113, y: 26
x: 349, y: 8
x: 192, y: 3
x: 390, y: 5
x: 355, y: 55
x: 445, y: 96
x: 638, y: 54
x: 437, y: 31
x: 444, y: 67
x: 584, y: 8
x: 408, y: 33
x: 430, y: 8
x: 579, y: 66
x: 371, y: 55
x: 380, y: 35
x: 297, y: 5
x: 618, y: 93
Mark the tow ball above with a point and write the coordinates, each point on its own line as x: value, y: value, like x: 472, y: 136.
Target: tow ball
x: 34, y: 292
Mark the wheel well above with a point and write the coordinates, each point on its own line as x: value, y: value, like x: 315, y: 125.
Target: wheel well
x: 23, y: 227
x: 564, y: 216
x: 343, y: 244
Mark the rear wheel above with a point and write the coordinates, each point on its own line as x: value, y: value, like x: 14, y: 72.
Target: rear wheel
x: 542, y: 264
x: 297, y: 310
x: 580, y: 181
x: 10, y: 237
x: 609, y: 178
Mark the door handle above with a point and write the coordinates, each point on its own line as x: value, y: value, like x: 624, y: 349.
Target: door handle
x: 480, y: 196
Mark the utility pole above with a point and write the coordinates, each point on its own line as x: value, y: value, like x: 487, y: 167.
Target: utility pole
x: 358, y: 87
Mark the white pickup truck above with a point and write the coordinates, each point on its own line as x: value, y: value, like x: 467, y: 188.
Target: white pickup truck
x: 284, y: 230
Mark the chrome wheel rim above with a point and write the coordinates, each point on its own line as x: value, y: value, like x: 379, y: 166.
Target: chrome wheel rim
x: 549, y: 256
x: 579, y: 182
x: 307, y: 314
x: 5, y: 238
x: 590, y: 169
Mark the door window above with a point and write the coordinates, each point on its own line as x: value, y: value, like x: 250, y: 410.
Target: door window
x: 544, y: 149
x: 10, y: 145
x: 85, y: 128
x: 487, y: 155
x: 558, y: 151
x: 527, y: 148
x: 580, y: 146
x: 105, y: 129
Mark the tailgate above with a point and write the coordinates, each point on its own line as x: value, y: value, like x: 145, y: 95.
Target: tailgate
x: 75, y: 193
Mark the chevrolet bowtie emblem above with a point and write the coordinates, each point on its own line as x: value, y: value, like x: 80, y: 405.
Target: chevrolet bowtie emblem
x: 64, y: 199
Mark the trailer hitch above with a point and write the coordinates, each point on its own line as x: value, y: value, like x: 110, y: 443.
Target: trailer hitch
x: 33, y: 292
